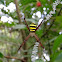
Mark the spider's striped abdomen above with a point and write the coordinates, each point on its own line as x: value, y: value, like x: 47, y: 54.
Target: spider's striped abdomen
x: 32, y: 27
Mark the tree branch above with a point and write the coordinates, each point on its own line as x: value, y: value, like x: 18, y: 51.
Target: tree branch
x: 18, y: 12
x: 8, y: 57
x: 21, y: 31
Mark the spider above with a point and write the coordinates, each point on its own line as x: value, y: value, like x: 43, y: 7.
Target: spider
x: 32, y: 29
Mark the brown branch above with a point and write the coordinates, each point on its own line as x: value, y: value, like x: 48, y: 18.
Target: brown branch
x: 21, y: 31
x: 8, y: 57
x: 19, y: 17
x: 18, y: 11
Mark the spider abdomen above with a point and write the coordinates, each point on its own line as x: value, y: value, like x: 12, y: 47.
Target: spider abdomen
x: 32, y: 27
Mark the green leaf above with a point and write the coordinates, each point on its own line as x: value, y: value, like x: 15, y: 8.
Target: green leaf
x: 58, y: 58
x: 2, y: 1
x: 38, y: 32
x: 25, y: 2
x: 58, y: 21
x: 57, y: 43
x: 1, y: 61
x: 31, y: 20
x: 1, y: 55
x: 19, y: 26
x: 58, y: 18
x: 4, y: 38
x: 39, y: 60
x: 9, y: 25
x: 51, y: 40
x: 55, y: 55
x: 43, y: 1
x: 9, y: 1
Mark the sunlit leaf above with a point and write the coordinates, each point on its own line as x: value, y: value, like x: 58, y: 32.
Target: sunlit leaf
x: 57, y: 43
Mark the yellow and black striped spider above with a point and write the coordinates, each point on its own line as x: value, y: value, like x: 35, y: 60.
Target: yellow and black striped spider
x: 32, y: 29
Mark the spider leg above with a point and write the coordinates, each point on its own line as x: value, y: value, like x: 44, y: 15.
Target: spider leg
x: 39, y: 25
x: 38, y: 40
x: 26, y: 23
x: 24, y: 42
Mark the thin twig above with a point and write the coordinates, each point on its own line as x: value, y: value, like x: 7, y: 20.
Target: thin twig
x: 18, y: 11
x: 8, y: 57
x: 59, y: 11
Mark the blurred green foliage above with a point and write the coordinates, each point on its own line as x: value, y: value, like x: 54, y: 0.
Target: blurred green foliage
x: 11, y: 37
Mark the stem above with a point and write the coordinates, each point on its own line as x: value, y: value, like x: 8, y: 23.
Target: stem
x: 8, y: 57
x: 18, y: 11
x: 49, y: 45
x: 59, y: 11
x: 21, y: 31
